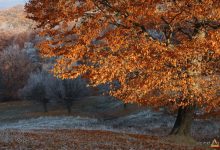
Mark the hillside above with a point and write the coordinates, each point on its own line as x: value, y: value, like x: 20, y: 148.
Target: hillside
x: 14, y: 20
x: 13, y: 23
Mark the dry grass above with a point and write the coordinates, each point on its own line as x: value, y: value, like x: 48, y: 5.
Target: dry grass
x: 86, y: 140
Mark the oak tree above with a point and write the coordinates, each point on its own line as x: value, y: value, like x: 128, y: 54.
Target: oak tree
x: 163, y: 53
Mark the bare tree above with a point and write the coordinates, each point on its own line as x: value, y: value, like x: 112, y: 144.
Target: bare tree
x: 74, y: 89
x: 43, y: 87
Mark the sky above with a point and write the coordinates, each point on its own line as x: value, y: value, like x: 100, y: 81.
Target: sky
x: 10, y: 3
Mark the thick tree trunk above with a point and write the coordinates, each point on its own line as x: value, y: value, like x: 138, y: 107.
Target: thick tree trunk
x: 182, y: 126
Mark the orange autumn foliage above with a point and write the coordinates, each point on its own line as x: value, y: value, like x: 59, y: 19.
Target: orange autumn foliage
x: 116, y: 41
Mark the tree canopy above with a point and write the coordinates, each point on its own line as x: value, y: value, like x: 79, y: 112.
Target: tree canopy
x: 162, y: 52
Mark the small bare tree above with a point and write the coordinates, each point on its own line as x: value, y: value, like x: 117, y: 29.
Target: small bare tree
x: 74, y: 89
x: 35, y: 89
x: 43, y: 87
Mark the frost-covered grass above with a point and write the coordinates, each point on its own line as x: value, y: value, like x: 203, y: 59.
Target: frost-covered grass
x: 143, y: 122
x: 18, y: 119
